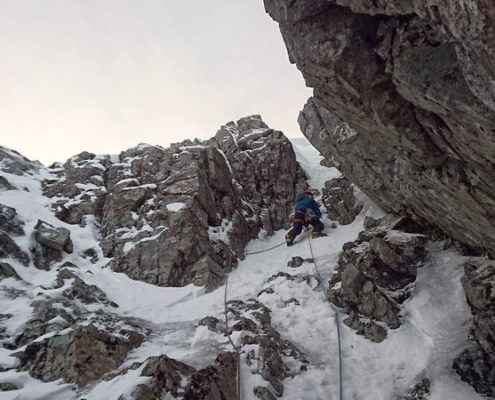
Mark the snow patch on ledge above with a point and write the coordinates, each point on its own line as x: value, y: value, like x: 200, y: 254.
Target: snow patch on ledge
x: 174, y: 207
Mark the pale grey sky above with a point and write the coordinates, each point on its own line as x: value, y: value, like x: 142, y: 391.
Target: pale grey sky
x: 105, y: 75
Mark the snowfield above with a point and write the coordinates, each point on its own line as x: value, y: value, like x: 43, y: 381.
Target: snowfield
x: 435, y: 320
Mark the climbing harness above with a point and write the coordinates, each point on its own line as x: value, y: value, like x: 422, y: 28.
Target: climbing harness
x: 336, y: 320
x: 236, y: 348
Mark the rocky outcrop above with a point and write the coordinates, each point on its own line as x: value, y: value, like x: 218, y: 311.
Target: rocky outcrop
x: 11, y: 162
x: 404, y: 103
x: 166, y: 375
x: 78, y: 289
x: 476, y: 365
x: 9, y: 222
x: 268, y: 353
x: 81, y: 356
x: 49, y: 244
x: 339, y: 200
x: 183, y: 214
x: 80, y: 188
x: 218, y: 381
x: 374, y: 275
x: 10, y: 227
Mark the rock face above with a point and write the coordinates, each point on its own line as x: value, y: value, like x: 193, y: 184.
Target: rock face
x: 404, y: 103
x: 339, y: 200
x: 374, y: 275
x: 81, y: 356
x: 475, y: 365
x: 184, y: 214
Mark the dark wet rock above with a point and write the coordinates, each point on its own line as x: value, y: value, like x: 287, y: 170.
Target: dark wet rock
x: 339, y: 200
x: 50, y: 243
x: 5, y: 184
x: 375, y: 273
x: 92, y: 254
x: 264, y: 393
x: 267, y: 290
x: 14, y: 163
x: 420, y: 392
x: 295, y: 262
x: 211, y: 323
x: 367, y: 328
x: 476, y: 365
x: 81, y: 356
x: 370, y: 222
x: 404, y: 103
x: 218, y: 381
x: 6, y: 271
x: 9, y: 223
x: 9, y: 248
x: 8, y: 386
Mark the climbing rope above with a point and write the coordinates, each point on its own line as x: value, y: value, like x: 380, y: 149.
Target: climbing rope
x: 236, y: 348
x: 336, y: 311
x: 263, y: 251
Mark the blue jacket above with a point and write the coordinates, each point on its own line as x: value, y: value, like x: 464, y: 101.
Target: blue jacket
x: 304, y: 202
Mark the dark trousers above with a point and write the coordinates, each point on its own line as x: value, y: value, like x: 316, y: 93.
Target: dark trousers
x: 299, y: 223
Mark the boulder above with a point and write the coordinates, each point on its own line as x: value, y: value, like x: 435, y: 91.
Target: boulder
x: 50, y: 243
x: 374, y: 273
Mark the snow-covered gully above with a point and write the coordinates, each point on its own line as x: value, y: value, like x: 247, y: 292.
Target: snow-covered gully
x: 435, y: 319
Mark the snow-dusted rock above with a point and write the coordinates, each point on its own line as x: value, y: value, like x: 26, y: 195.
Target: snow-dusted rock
x: 11, y: 162
x: 49, y: 244
x: 183, y: 214
x: 339, y: 200
x: 218, y: 381
x: 9, y: 248
x: 167, y: 377
x: 374, y: 272
x: 80, y: 355
x: 9, y: 222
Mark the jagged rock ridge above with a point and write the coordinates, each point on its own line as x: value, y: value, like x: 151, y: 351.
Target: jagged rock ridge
x: 183, y: 214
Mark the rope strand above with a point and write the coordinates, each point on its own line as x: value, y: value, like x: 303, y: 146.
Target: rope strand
x: 336, y: 321
x: 228, y: 334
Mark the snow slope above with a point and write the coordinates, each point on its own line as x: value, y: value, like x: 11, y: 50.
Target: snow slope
x: 434, y: 330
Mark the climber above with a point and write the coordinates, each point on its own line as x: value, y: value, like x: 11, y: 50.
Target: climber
x: 306, y: 211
